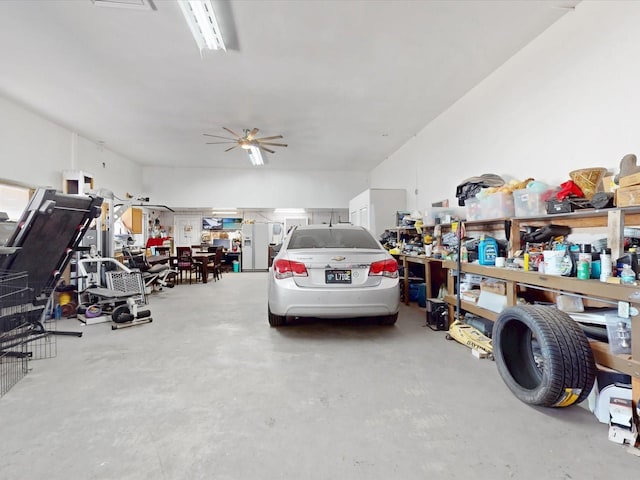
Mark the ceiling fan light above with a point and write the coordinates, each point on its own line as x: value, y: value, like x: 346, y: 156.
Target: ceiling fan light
x: 255, y: 155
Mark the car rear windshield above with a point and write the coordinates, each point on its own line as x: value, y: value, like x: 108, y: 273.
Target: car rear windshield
x: 332, y: 238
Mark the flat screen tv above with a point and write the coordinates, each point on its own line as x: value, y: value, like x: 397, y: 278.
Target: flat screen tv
x: 222, y: 242
x: 211, y: 223
x: 231, y: 223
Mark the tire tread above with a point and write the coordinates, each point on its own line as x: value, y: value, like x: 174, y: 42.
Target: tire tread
x: 568, y: 358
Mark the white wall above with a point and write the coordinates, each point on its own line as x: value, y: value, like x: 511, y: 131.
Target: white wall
x: 568, y: 100
x: 34, y: 151
x: 251, y: 189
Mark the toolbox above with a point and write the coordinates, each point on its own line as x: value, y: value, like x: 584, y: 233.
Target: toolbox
x: 567, y: 205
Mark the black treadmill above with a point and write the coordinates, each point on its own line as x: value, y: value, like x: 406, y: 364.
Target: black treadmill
x: 41, y: 246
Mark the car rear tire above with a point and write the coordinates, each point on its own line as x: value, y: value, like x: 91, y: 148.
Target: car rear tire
x: 543, y: 356
x: 276, y: 320
x: 389, y: 319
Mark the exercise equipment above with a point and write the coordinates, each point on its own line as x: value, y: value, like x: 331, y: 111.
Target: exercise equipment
x: 154, y: 276
x: 117, y: 290
x: 48, y: 232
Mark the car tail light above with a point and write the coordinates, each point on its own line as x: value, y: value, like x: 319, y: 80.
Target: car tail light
x: 386, y: 268
x: 287, y: 268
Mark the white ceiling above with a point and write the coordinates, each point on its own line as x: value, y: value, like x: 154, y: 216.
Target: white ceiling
x: 346, y: 82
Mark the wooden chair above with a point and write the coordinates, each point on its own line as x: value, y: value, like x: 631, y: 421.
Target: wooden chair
x: 215, y: 264
x: 186, y: 263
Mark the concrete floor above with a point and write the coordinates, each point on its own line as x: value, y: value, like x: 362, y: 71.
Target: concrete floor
x: 210, y: 391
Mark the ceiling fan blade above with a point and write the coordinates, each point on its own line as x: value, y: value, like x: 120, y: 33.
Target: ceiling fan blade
x: 217, y: 143
x: 231, y: 148
x: 232, y: 132
x: 266, y: 149
x: 252, y: 133
x: 267, y: 138
x: 217, y: 136
x: 274, y: 144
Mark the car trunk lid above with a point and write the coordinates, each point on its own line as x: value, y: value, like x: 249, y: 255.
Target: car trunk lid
x: 327, y: 268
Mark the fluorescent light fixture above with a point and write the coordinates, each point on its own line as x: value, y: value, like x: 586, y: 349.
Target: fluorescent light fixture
x: 134, y: 4
x: 289, y: 210
x: 203, y: 24
x: 255, y: 155
x: 225, y: 212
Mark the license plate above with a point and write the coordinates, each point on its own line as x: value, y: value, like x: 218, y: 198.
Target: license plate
x: 337, y: 276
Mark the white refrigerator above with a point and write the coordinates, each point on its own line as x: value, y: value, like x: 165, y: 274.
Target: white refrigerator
x: 255, y: 246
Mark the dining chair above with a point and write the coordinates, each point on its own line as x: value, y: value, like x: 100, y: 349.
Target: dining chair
x: 214, y: 264
x: 186, y: 263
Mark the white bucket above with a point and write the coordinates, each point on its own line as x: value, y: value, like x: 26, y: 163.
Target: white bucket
x: 553, y: 261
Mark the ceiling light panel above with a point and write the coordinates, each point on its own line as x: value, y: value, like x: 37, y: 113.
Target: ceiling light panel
x: 133, y: 4
x: 203, y: 24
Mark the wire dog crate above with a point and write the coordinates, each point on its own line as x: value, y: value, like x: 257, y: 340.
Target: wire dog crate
x: 14, y: 328
x: 23, y: 335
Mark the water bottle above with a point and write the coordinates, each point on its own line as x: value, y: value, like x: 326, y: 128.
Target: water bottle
x: 585, y: 256
x: 628, y: 276
x: 583, y: 270
x: 605, y: 265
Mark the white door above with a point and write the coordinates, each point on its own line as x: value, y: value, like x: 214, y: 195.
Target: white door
x: 364, y: 217
x: 186, y: 230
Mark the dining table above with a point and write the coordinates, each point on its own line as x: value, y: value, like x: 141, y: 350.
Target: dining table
x: 203, y: 258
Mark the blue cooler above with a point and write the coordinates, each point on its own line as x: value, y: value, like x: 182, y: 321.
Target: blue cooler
x: 414, y: 290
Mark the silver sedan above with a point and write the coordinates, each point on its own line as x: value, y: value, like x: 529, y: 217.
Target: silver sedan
x: 333, y: 271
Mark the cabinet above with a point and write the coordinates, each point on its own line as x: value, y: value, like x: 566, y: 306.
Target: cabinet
x: 375, y: 209
x: 132, y: 220
x: 77, y: 182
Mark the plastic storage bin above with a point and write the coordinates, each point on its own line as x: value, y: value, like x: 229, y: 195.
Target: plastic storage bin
x: 528, y: 203
x: 434, y: 215
x: 422, y: 295
x: 472, y: 209
x: 414, y: 291
x: 497, y: 205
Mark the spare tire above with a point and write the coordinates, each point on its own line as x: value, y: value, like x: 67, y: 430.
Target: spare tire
x: 543, y: 356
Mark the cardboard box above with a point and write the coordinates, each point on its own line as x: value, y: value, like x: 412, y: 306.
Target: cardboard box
x: 494, y: 286
x: 622, y: 428
x: 470, y: 296
x: 492, y: 301
x: 628, y: 196
x: 633, y: 179
x: 479, y: 354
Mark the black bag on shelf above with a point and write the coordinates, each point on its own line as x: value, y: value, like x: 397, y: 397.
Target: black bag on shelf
x: 471, y: 186
x: 545, y: 234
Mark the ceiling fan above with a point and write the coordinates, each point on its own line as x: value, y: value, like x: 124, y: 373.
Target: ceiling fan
x: 248, y: 141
